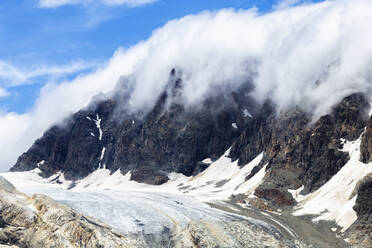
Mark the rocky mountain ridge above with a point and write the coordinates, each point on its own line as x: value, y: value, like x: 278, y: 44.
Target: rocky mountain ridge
x: 172, y: 138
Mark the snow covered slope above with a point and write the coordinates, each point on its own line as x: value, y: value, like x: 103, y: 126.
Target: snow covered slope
x: 218, y: 182
x: 135, y: 207
x: 335, y: 200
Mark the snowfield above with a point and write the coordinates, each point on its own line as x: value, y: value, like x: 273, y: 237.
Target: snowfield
x: 137, y: 212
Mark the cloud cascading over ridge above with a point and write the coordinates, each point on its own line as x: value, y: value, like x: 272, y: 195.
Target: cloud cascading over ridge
x: 59, y: 3
x: 312, y: 55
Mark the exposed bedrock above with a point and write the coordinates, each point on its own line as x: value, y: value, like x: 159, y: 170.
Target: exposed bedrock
x: 366, y: 144
x: 359, y: 234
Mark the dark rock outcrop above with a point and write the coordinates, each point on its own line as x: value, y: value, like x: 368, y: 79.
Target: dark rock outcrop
x: 360, y: 232
x: 74, y: 147
x: 366, y: 144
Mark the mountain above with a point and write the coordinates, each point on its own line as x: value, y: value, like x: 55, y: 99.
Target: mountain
x: 168, y: 138
x: 298, y: 152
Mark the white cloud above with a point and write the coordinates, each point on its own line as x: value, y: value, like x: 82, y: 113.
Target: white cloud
x: 59, y: 3
x: 3, y: 93
x: 287, y: 52
x: 286, y: 4
x: 11, y: 75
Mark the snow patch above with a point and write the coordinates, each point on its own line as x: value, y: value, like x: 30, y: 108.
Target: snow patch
x: 207, y: 161
x: 296, y: 193
x: 40, y: 163
x: 223, y: 178
x: 102, y: 153
x: 234, y: 125
x: 32, y: 207
x: 101, y: 157
x: 246, y: 113
x: 333, y: 200
x: 255, y: 181
x: 97, y: 121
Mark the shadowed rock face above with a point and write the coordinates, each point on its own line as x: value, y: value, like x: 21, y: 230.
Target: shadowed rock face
x: 360, y: 232
x: 297, y: 151
x: 366, y: 144
x: 364, y: 200
x: 166, y: 139
x: 71, y: 148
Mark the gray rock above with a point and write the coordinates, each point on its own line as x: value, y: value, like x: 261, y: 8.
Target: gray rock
x: 359, y: 234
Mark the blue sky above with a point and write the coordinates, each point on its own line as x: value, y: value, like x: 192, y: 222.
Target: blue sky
x: 43, y: 43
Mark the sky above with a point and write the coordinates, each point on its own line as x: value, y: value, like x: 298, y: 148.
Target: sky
x: 56, y: 55
x: 55, y: 40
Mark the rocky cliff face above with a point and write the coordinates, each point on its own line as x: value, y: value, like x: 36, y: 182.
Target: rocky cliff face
x: 168, y: 138
x: 360, y: 232
x: 300, y: 153
x: 366, y: 145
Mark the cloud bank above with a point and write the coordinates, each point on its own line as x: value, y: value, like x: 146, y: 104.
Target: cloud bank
x: 59, y: 3
x: 11, y: 75
x: 312, y: 55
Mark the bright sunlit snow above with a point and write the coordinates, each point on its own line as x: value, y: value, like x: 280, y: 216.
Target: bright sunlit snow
x: 130, y: 206
x: 334, y: 201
